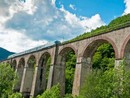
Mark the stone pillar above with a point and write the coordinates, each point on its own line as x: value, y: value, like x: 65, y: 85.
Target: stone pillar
x: 59, y: 77
x: 83, y: 67
x: 15, y: 87
x: 33, y: 89
x: 23, y: 77
x: 49, y: 84
x: 118, y: 63
x: 59, y: 74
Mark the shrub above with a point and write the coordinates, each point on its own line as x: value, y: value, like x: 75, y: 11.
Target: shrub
x: 113, y: 83
x: 7, y: 80
x: 54, y: 92
x: 16, y: 95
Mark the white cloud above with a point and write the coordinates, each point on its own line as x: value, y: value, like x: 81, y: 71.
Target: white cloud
x: 39, y: 21
x: 127, y: 9
x: 16, y: 42
x: 72, y: 7
x: 83, y: 22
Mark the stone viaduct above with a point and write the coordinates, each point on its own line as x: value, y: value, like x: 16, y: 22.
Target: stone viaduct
x: 31, y: 66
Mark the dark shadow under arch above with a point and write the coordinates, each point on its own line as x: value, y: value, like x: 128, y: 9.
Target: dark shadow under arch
x: 92, y: 46
x: 14, y: 64
x: 43, y: 67
x: 65, y: 65
x: 20, y: 69
x: 122, y: 52
x: 28, y: 80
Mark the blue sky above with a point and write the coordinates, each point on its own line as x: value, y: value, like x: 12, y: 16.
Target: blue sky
x: 25, y: 24
x: 108, y: 9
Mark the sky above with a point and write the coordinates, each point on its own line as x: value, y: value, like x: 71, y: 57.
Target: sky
x: 25, y: 24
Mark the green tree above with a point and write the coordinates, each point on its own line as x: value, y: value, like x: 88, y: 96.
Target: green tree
x: 16, y: 95
x: 54, y: 92
x: 7, y: 80
x: 48, y: 67
x: 104, y: 57
x: 112, y: 83
x: 69, y: 72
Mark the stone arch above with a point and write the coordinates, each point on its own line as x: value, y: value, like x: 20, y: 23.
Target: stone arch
x: 43, y: 68
x: 66, y: 48
x: 14, y: 64
x: 92, y: 46
x: 85, y: 58
x: 8, y: 62
x: 28, y: 79
x: 31, y: 61
x: 21, y: 63
x: 125, y: 52
x: 44, y: 56
x: 97, y: 42
x: 20, y: 69
x: 61, y: 66
x: 122, y: 52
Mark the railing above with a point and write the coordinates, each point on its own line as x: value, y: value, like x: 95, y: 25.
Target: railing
x: 31, y: 50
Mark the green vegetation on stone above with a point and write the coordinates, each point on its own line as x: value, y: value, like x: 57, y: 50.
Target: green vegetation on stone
x: 118, y: 23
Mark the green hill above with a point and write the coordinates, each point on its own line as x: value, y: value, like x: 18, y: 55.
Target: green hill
x: 118, y: 23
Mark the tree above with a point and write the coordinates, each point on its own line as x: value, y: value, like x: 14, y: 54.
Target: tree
x: 16, y: 95
x: 104, y: 57
x: 69, y: 72
x: 54, y: 92
x: 7, y: 80
x: 112, y: 83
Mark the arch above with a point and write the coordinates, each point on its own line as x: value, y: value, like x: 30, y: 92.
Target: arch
x: 63, y: 68
x: 8, y: 62
x: 97, y: 42
x: 29, y: 75
x: 42, y: 73
x: 31, y: 61
x: 124, y: 46
x: 45, y: 55
x: 14, y: 64
x: 20, y: 69
x: 21, y: 63
x: 66, y: 48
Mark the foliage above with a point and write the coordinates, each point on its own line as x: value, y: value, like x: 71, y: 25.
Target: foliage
x: 68, y: 96
x: 113, y: 83
x: 115, y: 24
x: 54, y: 92
x: 7, y: 80
x: 16, y: 95
x: 69, y: 72
x: 104, y: 57
x: 119, y: 20
x: 48, y: 67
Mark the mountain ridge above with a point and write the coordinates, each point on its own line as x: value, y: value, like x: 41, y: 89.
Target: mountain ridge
x: 4, y: 53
